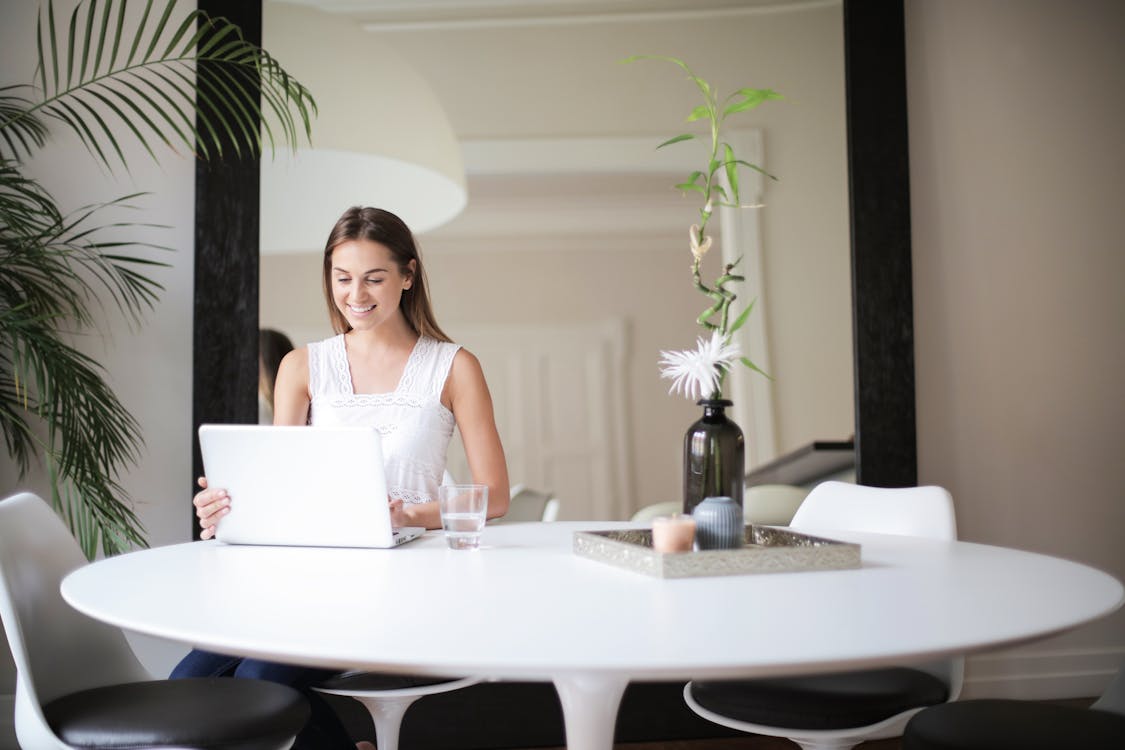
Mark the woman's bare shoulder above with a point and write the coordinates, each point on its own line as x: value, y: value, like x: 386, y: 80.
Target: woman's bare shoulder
x: 466, y: 365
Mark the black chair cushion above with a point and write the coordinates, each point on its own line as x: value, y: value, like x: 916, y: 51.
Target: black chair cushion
x: 210, y: 712
x: 1013, y: 725
x: 829, y: 701
x: 377, y: 681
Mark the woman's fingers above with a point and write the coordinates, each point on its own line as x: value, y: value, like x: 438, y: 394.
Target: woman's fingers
x: 210, y: 506
x: 397, y: 517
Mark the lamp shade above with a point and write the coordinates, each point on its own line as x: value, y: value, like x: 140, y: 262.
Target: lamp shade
x: 381, y: 137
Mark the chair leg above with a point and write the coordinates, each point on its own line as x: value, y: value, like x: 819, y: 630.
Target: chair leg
x: 387, y: 715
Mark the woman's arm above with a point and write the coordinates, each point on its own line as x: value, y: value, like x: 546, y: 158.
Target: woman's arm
x: 466, y: 395
x: 471, y: 405
x: 291, y: 389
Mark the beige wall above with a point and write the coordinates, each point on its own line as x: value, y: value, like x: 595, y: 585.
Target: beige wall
x: 1017, y: 178
x: 566, y: 82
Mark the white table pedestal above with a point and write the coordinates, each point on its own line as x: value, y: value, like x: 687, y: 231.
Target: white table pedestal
x: 589, y: 704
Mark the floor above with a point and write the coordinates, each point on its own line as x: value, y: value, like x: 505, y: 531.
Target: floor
x: 773, y: 743
x: 740, y: 743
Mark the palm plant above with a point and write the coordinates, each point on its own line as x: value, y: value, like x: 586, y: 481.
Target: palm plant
x: 182, y: 79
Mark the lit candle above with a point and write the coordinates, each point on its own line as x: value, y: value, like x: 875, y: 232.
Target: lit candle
x: 674, y: 533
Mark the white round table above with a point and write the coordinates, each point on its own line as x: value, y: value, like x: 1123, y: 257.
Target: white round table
x: 525, y: 606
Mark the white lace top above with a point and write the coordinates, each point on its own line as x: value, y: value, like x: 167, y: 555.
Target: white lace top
x: 415, y: 425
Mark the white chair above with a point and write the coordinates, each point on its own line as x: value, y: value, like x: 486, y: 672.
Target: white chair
x: 839, y: 711
x: 772, y: 504
x: 527, y: 504
x: 649, y: 512
x: 79, y: 684
x: 387, y: 697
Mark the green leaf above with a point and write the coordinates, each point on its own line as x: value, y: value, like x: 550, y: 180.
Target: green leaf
x: 702, y: 112
x: 20, y: 129
x: 750, y: 99
x: 732, y: 171
x: 89, y: 27
x: 755, y: 167
x: 677, y: 139
x: 686, y: 186
x: 754, y: 367
x: 139, y: 35
x: 101, y: 38
x: 742, y: 318
x: 159, y: 30
x: 54, y: 46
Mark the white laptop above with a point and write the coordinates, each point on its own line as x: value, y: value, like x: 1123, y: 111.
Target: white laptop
x: 304, y: 486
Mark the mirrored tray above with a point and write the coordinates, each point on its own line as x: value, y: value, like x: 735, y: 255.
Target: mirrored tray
x: 767, y: 549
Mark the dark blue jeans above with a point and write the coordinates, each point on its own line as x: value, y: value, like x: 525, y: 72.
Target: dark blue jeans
x: 324, y: 731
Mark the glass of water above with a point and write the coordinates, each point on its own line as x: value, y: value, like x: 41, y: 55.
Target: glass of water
x: 464, y: 508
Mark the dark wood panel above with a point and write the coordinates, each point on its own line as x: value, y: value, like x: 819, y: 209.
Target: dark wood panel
x: 882, y: 286
x: 225, y: 318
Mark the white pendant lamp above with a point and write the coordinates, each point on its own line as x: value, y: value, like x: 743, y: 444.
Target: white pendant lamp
x: 381, y: 137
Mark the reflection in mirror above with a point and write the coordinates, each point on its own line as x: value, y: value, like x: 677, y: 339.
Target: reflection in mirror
x: 568, y: 271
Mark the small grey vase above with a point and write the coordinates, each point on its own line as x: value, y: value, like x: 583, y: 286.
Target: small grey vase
x: 718, y: 523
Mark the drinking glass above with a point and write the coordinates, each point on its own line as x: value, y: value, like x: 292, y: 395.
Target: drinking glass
x: 464, y: 508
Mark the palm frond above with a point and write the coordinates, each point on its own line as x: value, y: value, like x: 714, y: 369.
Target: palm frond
x: 20, y: 130
x: 56, y: 269
x: 56, y: 263
x: 173, y: 79
x: 90, y: 434
x: 89, y: 82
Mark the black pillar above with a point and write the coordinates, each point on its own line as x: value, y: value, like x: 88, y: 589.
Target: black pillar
x: 225, y: 331
x: 882, y: 285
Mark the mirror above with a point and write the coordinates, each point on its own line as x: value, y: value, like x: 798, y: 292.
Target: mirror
x: 644, y: 86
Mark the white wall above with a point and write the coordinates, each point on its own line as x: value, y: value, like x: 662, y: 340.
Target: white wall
x: 1017, y: 178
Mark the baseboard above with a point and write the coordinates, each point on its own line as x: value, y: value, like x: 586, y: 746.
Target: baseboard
x: 1055, y: 674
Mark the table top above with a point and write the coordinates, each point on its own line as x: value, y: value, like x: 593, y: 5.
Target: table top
x: 525, y: 606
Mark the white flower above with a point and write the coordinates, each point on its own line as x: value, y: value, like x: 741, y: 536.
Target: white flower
x: 695, y: 374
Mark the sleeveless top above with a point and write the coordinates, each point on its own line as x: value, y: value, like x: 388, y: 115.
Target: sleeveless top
x: 414, y: 424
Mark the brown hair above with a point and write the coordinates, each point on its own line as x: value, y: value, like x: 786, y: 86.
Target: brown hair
x: 272, y: 348
x: 377, y: 225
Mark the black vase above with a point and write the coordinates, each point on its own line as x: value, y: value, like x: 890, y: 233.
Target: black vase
x: 714, y: 457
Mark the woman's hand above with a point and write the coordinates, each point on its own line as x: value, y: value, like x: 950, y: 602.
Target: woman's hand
x: 398, y: 513
x: 210, y: 506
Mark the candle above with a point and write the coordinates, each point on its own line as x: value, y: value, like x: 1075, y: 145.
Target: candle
x: 674, y: 533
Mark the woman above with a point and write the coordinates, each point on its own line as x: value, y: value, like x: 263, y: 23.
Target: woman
x: 390, y: 366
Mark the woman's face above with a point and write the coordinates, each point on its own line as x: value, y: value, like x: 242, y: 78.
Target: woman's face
x: 367, y: 285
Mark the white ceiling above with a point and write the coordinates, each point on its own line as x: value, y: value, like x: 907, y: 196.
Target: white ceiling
x: 397, y: 15
x: 533, y: 201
